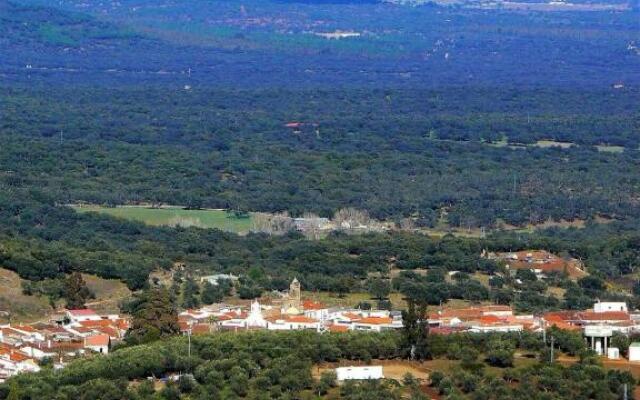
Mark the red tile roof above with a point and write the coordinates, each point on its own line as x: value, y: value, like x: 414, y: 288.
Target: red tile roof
x: 490, y: 319
x: 10, y: 331
x: 108, y: 330
x: 564, y: 326
x: 25, y: 328
x: 200, y: 329
x: 96, y: 323
x: 468, y: 313
x: 312, y: 305
x: 604, y: 316
x: 237, y: 315
x: 53, y: 329
x: 18, y: 357
x: 375, y: 320
x: 560, y: 316
x: 300, y: 319
x: 122, y: 324
x: 97, y: 340
x: 351, y: 316
x: 534, y: 254
x: 338, y: 328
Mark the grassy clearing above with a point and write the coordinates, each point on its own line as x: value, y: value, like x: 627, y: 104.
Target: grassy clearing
x: 109, y: 293
x: 482, y: 278
x: 174, y: 216
x: 461, y: 232
x: 620, y: 365
x: 552, y: 143
x: 609, y: 149
x: 442, y: 229
x: 22, y: 308
x: 557, y: 292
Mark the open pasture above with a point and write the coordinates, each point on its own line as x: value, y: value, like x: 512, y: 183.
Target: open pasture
x: 175, y: 216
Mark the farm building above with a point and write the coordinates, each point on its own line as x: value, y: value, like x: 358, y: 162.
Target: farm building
x: 541, y: 262
x: 359, y: 373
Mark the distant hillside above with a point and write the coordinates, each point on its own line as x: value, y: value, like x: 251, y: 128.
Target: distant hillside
x: 23, y: 25
x: 274, y: 43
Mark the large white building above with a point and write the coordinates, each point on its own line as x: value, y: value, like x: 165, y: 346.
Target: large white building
x: 215, y: 279
x: 364, y: 320
x: 606, y: 306
x: 76, y: 316
x: 293, y: 322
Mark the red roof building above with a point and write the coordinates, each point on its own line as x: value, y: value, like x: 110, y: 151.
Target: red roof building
x: 97, y: 340
x: 312, y: 305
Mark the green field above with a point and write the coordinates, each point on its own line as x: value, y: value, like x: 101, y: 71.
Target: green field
x: 174, y: 216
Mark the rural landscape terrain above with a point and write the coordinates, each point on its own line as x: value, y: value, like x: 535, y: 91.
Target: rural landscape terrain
x: 312, y: 199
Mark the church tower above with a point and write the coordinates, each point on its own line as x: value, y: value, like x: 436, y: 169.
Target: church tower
x: 294, y: 292
x: 293, y: 302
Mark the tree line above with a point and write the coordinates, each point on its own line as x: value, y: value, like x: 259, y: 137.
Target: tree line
x: 272, y: 365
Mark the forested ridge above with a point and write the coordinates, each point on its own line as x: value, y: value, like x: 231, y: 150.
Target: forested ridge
x: 424, y: 152
x: 42, y: 241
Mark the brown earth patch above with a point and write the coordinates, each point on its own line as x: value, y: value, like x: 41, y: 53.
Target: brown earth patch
x: 392, y: 369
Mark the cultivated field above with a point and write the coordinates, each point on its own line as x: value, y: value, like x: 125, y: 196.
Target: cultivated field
x: 174, y: 216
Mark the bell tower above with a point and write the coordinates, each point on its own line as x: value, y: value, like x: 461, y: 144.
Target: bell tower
x: 294, y: 293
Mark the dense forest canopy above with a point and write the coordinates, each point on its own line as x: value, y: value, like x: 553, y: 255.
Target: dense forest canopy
x: 443, y: 115
x: 428, y: 151
x: 195, y: 113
